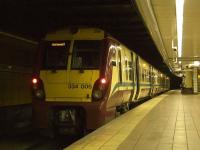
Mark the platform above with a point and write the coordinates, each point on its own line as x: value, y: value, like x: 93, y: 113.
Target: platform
x: 170, y: 121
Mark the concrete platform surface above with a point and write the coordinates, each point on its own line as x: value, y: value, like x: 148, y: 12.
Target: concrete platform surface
x: 170, y: 121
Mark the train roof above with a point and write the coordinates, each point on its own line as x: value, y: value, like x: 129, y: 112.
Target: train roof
x: 76, y: 33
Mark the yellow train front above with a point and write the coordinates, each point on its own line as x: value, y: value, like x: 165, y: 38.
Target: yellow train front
x: 83, y: 79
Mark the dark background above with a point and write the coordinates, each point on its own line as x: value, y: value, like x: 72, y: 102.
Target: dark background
x: 33, y: 18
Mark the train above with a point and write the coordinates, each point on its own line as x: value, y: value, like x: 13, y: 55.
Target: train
x: 84, y: 78
x: 16, y: 63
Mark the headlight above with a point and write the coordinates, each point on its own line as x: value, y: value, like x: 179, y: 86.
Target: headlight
x: 39, y: 94
x: 100, y: 88
x: 37, y: 88
x: 97, y: 94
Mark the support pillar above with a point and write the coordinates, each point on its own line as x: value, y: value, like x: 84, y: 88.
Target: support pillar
x: 187, y: 85
x: 195, y: 81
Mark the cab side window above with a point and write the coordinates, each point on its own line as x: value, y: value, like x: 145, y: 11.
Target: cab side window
x: 130, y: 67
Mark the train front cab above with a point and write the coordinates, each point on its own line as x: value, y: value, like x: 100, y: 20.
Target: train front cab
x: 62, y: 88
x: 75, y: 88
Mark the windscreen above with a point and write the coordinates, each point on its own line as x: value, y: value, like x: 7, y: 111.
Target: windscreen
x: 86, y: 54
x: 56, y: 54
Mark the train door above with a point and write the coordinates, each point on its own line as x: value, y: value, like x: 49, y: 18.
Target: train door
x: 150, y: 80
x: 123, y: 58
x: 151, y: 77
x: 116, y: 95
x: 126, y: 86
x: 115, y: 69
x: 137, y: 78
x: 154, y: 80
x: 159, y: 82
x: 119, y: 66
x: 132, y: 77
x: 120, y: 74
x: 135, y: 75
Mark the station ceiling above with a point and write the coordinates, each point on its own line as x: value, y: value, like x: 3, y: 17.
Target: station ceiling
x: 174, y: 25
x: 120, y: 18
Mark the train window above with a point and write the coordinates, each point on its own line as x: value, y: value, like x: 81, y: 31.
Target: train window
x: 113, y: 59
x: 142, y: 70
x: 145, y: 74
x: 86, y: 54
x: 156, y: 78
x: 56, y: 55
x: 130, y: 64
x: 153, y: 78
x: 120, y: 66
x: 126, y: 66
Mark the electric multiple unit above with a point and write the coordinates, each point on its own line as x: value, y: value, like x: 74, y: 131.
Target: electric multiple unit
x: 85, y: 78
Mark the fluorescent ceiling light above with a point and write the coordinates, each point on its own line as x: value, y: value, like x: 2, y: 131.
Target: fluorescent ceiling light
x: 196, y: 63
x: 179, y: 23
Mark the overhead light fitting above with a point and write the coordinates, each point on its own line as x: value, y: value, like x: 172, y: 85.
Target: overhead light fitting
x: 179, y: 22
x: 196, y: 63
x: 173, y: 46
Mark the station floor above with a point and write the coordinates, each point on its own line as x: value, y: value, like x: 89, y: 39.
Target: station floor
x: 170, y: 121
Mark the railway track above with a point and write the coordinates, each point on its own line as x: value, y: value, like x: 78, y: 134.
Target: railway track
x: 32, y: 141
